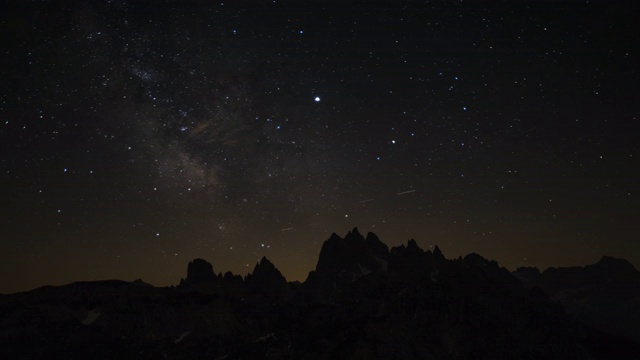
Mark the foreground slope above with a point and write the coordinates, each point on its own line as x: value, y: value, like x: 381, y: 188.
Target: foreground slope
x: 605, y: 295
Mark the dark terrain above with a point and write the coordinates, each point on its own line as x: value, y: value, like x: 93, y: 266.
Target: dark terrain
x: 362, y: 301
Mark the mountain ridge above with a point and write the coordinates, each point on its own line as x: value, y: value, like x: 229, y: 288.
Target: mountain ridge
x: 362, y: 300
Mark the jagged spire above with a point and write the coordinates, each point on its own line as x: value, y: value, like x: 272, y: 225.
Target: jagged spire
x: 266, y: 279
x: 371, y: 237
x: 354, y: 232
x: 264, y: 263
x: 437, y: 253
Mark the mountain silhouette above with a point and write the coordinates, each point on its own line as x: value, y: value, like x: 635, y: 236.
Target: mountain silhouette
x: 342, y: 261
x: 362, y: 301
x: 199, y: 271
x: 267, y: 280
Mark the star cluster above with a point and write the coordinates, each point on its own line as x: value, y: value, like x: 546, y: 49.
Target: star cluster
x: 139, y: 135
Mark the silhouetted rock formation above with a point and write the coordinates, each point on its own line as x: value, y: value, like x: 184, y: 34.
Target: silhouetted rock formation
x: 267, y: 280
x: 437, y: 254
x: 605, y: 295
x: 199, y: 272
x: 412, y: 258
x: 140, y: 282
x: 232, y: 280
x: 343, y: 261
x: 361, y: 302
x: 407, y: 259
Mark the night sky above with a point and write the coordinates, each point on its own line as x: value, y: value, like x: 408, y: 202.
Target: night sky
x: 136, y: 136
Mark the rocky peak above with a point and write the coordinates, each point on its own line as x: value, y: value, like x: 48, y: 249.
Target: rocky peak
x: 354, y: 251
x: 231, y: 279
x: 140, y: 282
x: 408, y: 258
x: 266, y: 271
x: 412, y: 246
x: 199, y: 271
x: 437, y: 254
x: 266, y: 279
x: 354, y: 234
x: 617, y: 266
x: 342, y: 261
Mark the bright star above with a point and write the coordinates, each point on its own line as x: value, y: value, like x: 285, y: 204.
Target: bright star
x: 317, y: 99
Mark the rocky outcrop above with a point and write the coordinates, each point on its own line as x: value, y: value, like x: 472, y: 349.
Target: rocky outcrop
x: 199, y: 272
